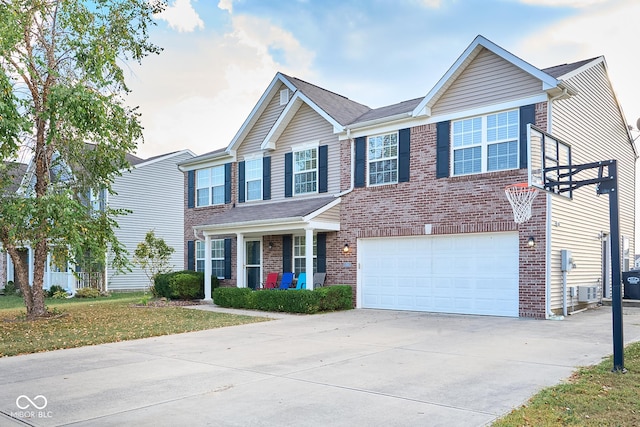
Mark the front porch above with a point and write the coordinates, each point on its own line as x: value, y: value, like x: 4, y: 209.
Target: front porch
x: 291, y: 236
x: 65, y: 276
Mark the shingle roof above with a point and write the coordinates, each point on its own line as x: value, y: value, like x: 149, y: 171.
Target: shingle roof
x: 389, y: 110
x: 15, y: 172
x: 342, y: 109
x: 280, y: 210
x: 560, y: 70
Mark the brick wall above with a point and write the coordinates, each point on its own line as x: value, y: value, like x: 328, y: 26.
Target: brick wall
x: 199, y: 216
x: 466, y: 204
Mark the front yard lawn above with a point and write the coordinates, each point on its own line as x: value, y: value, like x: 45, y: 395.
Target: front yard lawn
x: 80, y: 322
x: 593, y: 396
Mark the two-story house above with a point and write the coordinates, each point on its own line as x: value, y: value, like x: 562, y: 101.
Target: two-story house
x: 406, y: 202
x: 151, y: 190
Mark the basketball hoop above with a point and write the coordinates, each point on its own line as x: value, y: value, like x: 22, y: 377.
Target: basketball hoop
x: 521, y: 198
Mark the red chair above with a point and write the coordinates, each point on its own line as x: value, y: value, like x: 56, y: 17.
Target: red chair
x: 272, y: 281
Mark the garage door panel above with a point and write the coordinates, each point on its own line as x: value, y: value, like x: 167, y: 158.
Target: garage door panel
x: 473, y: 274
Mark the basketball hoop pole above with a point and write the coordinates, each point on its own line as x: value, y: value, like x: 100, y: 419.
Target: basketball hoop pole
x: 610, y: 187
x: 606, y: 184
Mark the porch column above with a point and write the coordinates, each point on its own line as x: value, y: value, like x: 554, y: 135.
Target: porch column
x: 30, y: 264
x: 207, y: 268
x: 240, y: 282
x: 308, y: 259
x: 47, y: 276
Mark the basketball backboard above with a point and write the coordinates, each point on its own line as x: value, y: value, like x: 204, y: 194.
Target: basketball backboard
x: 549, y: 161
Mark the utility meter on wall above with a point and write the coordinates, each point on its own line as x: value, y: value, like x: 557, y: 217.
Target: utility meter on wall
x: 567, y: 260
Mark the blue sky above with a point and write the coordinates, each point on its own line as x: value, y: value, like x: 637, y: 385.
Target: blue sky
x: 220, y: 55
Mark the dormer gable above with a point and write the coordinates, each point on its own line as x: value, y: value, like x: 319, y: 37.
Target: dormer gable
x: 481, y: 48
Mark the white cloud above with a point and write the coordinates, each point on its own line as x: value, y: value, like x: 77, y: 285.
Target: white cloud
x: 610, y: 31
x: 197, y: 93
x: 226, y: 5
x: 182, y: 16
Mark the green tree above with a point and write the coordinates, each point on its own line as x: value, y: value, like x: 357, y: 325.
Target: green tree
x: 153, y: 256
x: 62, y: 101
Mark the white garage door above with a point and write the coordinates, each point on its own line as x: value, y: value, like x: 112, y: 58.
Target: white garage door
x: 465, y: 274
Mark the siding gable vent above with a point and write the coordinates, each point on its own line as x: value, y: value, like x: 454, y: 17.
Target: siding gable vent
x: 284, y: 96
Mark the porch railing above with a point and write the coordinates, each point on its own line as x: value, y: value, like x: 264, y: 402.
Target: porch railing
x: 90, y: 280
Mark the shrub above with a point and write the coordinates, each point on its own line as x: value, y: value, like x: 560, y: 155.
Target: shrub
x: 166, y: 286
x: 338, y: 297
x: 185, y: 285
x: 87, y: 293
x: 60, y: 295
x: 55, y: 288
x: 290, y: 301
x: 10, y: 288
x: 232, y: 297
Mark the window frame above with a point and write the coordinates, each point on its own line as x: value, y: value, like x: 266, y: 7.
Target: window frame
x: 296, y: 172
x: 299, y: 242
x: 395, y: 158
x: 478, y: 138
x: 253, y: 179
x: 211, y: 184
x: 217, y: 262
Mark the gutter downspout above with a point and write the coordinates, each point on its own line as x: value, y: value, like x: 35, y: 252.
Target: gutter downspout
x: 549, y: 313
x: 352, y: 171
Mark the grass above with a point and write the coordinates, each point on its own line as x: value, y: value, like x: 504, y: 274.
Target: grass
x: 593, y: 396
x: 82, y: 322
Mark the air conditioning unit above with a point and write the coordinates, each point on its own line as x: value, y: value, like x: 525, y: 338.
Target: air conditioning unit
x: 587, y: 293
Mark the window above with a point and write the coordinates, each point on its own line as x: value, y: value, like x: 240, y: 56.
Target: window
x: 305, y: 171
x: 383, y: 159
x: 217, y: 257
x: 299, y: 254
x: 486, y: 143
x: 210, y: 186
x: 253, y: 178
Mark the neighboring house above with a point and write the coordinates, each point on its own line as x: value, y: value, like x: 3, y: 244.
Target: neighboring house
x: 636, y: 263
x: 153, y: 192
x: 406, y: 202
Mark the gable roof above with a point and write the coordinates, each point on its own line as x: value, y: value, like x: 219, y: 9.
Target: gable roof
x: 340, y: 108
x: 479, y: 43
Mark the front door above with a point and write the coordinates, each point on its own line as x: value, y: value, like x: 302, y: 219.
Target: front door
x: 252, y: 265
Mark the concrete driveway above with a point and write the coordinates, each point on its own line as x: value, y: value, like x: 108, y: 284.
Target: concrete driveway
x: 361, y: 367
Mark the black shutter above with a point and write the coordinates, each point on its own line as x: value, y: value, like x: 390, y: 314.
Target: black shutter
x: 323, y: 168
x: 227, y: 258
x: 191, y: 189
x: 443, y: 130
x: 404, y: 154
x: 286, y: 253
x: 227, y: 183
x: 321, y: 255
x: 191, y: 255
x: 288, y: 175
x: 361, y: 159
x: 527, y: 115
x: 241, y: 182
x: 266, y: 178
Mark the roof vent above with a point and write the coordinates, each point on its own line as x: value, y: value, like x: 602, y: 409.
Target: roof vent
x: 284, y: 96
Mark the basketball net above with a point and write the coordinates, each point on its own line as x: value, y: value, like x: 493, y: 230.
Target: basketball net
x: 521, y: 198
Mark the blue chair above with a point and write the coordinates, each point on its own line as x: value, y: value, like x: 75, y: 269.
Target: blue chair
x: 286, y: 281
x: 302, y: 281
